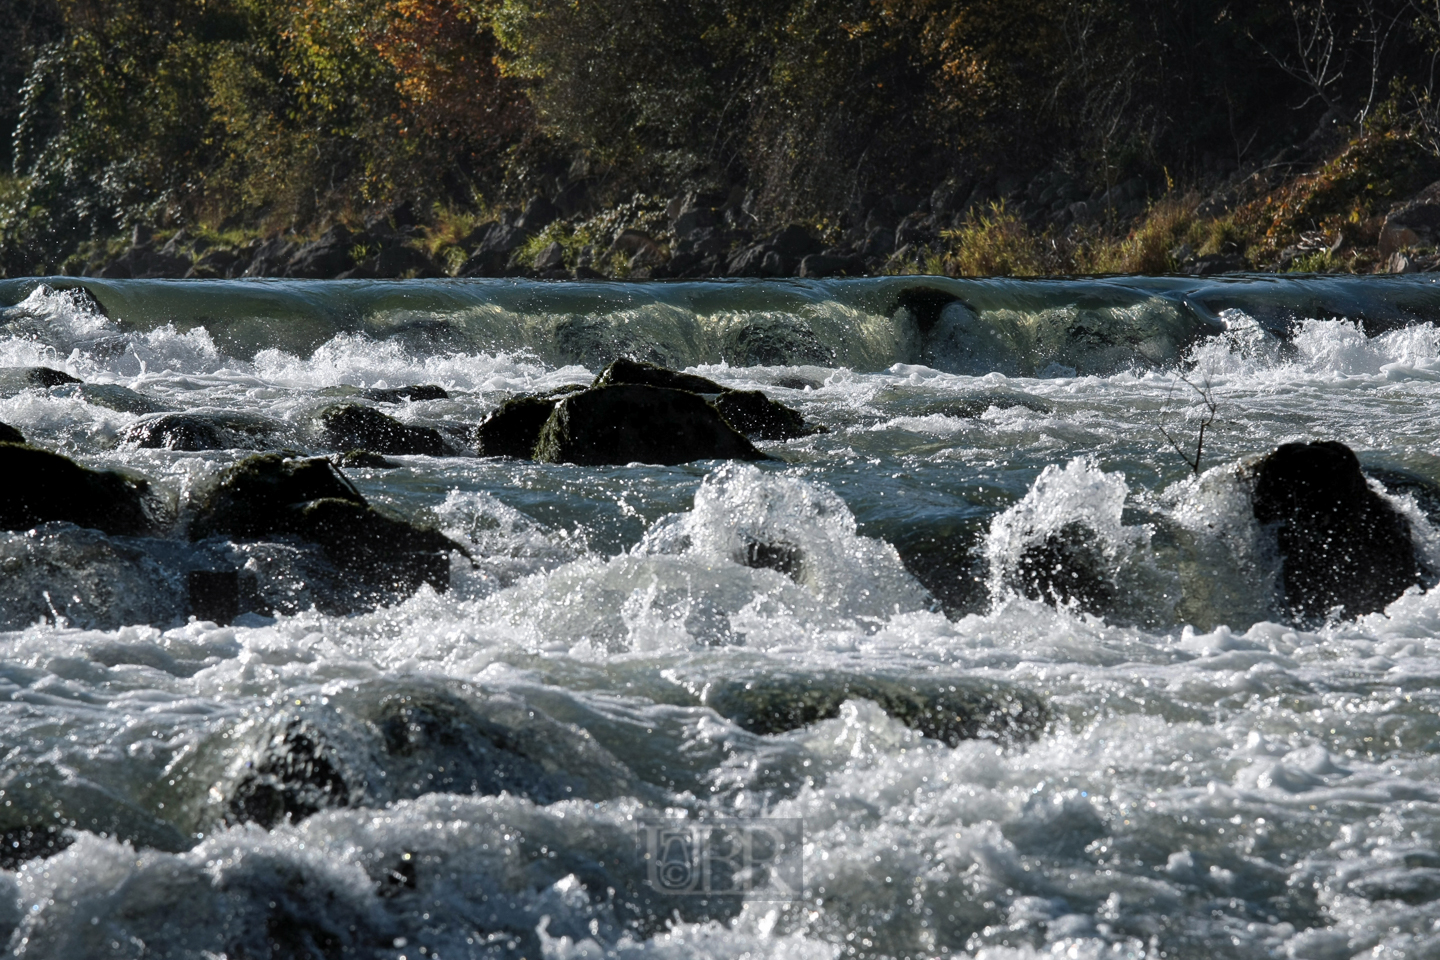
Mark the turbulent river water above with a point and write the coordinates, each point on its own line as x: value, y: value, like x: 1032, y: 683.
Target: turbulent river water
x: 1178, y: 770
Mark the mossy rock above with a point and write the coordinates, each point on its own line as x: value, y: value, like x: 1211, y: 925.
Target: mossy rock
x: 756, y: 415
x: 44, y: 487
x: 639, y: 424
x: 949, y: 710
x: 351, y: 426
x: 512, y: 429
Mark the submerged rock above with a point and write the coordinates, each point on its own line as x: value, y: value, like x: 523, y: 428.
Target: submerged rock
x: 15, y: 379
x: 774, y: 342
x: 198, y: 431
x: 44, y: 486
x: 1342, y: 545
x: 366, y: 459
x: 756, y: 415
x: 351, y: 426
x: 1068, y: 567
x: 512, y: 429
x: 112, y: 396
x: 949, y: 710
x: 632, y: 423
x: 425, y: 391
x: 268, y: 495
x: 21, y: 844
x: 292, y: 779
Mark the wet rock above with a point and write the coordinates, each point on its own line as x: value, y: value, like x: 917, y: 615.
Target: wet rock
x: 924, y: 304
x: 198, y: 431
x: 1342, y: 545
x: 112, y: 396
x: 946, y: 557
x: 42, y: 486
x: 756, y: 415
x: 21, y: 844
x: 293, y: 778
x: 267, y: 495
x: 350, y: 426
x: 213, y: 595
x: 1425, y: 491
x: 252, y: 498
x: 418, y: 393
x: 641, y: 373
x: 15, y: 379
x: 512, y: 429
x: 1067, y: 567
x: 949, y: 710
x: 366, y: 459
x: 782, y: 557
x: 633, y: 423
x: 9, y: 434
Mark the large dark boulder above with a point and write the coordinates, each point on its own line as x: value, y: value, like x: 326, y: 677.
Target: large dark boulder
x: 354, y: 426
x: 1342, y: 544
x: 270, y: 495
x: 9, y: 434
x: 632, y: 423
x: 42, y: 486
x: 641, y: 373
x: 757, y: 416
x: 1068, y: 567
x: 950, y: 710
x: 512, y: 429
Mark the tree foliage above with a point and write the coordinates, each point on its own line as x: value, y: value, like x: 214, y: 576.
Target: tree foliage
x: 290, y: 112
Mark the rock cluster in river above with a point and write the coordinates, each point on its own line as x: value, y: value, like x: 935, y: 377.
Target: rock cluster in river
x: 637, y: 412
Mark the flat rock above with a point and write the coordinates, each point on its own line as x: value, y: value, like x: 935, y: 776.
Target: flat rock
x: 631, y: 423
x: 352, y: 426
x: 1345, y: 549
x: 43, y: 487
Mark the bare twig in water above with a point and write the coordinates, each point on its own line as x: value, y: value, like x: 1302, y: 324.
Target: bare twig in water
x: 1207, y: 417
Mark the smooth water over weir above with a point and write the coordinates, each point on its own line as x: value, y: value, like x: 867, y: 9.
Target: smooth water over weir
x: 1030, y: 684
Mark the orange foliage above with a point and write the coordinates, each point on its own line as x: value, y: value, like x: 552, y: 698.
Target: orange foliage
x: 444, y: 53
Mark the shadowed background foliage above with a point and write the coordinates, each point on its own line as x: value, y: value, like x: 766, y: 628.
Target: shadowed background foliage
x: 299, y: 113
